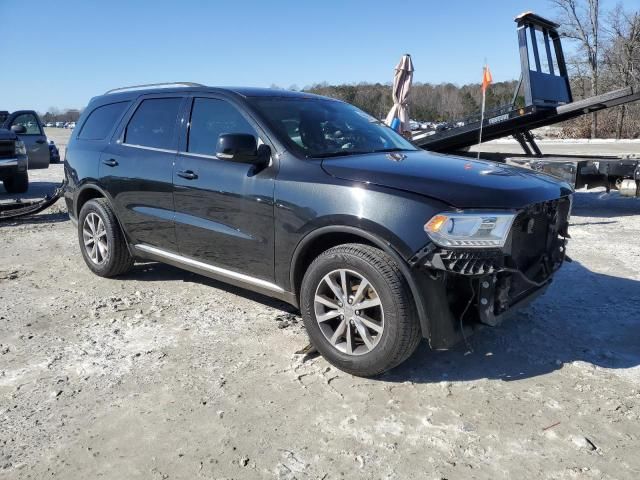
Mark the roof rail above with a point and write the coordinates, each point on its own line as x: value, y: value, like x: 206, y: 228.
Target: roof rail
x: 154, y: 85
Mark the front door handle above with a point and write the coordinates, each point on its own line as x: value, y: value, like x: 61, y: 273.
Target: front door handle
x: 112, y: 162
x: 41, y: 141
x: 188, y: 174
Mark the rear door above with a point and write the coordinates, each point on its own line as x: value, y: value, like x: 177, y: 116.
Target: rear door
x: 34, y: 138
x: 137, y: 170
x: 224, y: 209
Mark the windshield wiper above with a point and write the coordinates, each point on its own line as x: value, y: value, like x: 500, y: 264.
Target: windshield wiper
x: 395, y: 149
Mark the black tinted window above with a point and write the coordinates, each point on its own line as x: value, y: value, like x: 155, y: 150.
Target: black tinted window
x: 211, y: 118
x: 153, y: 123
x: 101, y: 121
x: 327, y: 128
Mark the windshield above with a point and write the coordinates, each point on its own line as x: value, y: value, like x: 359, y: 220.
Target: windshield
x: 320, y: 128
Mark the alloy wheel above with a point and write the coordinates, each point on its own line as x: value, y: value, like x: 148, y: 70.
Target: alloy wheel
x: 94, y: 235
x: 349, y: 312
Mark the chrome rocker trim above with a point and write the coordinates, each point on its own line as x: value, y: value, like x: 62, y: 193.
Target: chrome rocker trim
x: 222, y: 272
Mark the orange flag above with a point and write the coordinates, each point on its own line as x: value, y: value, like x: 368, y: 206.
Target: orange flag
x: 486, y: 78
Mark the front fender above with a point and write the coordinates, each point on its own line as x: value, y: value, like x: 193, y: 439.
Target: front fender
x: 415, y: 282
x: 397, y: 218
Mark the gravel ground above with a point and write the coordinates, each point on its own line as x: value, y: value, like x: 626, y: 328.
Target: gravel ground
x: 163, y: 374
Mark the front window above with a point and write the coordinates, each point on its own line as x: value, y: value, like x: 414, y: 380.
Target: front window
x: 29, y: 122
x: 211, y: 118
x: 320, y: 128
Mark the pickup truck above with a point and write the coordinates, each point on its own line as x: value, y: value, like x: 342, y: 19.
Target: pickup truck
x: 13, y: 162
x: 32, y: 135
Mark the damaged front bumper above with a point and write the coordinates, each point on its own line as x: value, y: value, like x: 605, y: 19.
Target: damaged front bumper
x: 484, y: 286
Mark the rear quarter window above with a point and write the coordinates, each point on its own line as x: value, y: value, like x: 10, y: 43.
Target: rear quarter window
x: 101, y: 121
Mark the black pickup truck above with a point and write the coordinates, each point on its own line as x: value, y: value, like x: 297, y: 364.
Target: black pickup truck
x: 13, y: 162
x: 23, y: 145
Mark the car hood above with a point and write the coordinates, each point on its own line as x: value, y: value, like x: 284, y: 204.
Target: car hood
x: 7, y: 134
x: 458, y: 181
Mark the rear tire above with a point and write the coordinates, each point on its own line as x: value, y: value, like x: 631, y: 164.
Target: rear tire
x: 18, y: 183
x: 102, y: 242
x: 386, y: 309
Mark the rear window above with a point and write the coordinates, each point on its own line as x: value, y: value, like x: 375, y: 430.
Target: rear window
x: 154, y: 123
x: 101, y: 121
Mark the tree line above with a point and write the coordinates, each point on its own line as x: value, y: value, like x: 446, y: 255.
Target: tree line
x: 54, y: 114
x: 427, y: 102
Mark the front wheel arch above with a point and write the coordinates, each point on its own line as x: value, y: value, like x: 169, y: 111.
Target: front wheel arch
x: 327, y: 237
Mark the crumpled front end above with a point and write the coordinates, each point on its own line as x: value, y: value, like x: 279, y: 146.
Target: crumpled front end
x: 485, y: 284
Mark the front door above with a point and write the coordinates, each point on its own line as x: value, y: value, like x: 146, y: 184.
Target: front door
x: 34, y: 138
x: 137, y: 170
x: 224, y: 210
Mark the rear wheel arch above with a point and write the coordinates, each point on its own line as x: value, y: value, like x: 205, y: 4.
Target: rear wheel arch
x: 102, y: 243
x: 87, y: 193
x: 91, y: 191
x: 324, y: 238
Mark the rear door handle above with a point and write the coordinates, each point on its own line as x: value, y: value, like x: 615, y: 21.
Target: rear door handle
x: 188, y: 174
x: 111, y: 162
x: 41, y: 141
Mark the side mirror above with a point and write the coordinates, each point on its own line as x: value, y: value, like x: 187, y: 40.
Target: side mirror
x: 19, y: 129
x: 240, y: 147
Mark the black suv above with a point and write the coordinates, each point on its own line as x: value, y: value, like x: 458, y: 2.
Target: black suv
x: 312, y: 201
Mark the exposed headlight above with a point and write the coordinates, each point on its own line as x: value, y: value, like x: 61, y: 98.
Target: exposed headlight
x: 470, y: 229
x: 20, y: 148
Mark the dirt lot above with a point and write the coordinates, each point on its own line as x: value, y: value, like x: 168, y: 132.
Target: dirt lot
x: 164, y: 374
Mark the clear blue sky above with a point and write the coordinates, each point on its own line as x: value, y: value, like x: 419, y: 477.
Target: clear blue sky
x: 62, y: 52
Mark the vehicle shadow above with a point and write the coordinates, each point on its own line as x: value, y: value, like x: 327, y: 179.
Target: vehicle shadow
x: 55, y: 217
x: 160, y: 272
x: 584, y: 316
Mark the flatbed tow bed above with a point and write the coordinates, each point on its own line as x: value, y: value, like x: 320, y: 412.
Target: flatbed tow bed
x: 548, y: 101
x: 504, y: 122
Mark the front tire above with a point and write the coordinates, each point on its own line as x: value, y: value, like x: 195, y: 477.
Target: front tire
x: 18, y: 183
x: 358, y: 311
x: 102, y: 242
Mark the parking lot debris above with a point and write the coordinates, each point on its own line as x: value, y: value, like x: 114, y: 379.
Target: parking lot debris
x: 550, y: 426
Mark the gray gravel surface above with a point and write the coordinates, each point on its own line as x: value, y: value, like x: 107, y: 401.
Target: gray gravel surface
x: 163, y: 374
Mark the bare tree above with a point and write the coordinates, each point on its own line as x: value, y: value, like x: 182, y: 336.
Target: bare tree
x: 622, y: 54
x: 580, y: 21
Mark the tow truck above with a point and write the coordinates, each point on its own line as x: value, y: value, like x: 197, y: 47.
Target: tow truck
x: 544, y: 84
